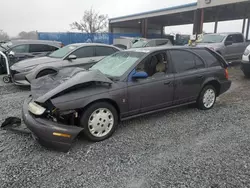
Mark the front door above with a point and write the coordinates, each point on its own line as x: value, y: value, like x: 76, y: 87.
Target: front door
x: 236, y: 49
x: 85, y: 58
x: 154, y: 92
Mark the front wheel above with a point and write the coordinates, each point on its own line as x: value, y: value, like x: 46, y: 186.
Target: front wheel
x: 99, y: 121
x: 207, y: 98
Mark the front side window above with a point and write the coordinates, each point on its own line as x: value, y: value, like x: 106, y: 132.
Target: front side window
x: 182, y: 60
x: 238, y: 38
x: 229, y: 38
x: 84, y: 52
x: 154, y: 65
x: 62, y: 52
x: 24, y: 48
x: 117, y: 64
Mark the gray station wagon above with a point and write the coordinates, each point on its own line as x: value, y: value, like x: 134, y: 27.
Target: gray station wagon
x: 124, y: 85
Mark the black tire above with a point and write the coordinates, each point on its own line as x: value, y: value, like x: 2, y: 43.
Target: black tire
x: 247, y: 75
x: 200, y: 103
x: 6, y: 79
x: 86, y: 116
x: 45, y: 72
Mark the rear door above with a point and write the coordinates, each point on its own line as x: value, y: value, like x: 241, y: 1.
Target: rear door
x: 239, y: 45
x: 189, y: 75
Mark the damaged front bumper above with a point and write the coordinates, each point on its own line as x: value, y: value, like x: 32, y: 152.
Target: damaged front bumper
x: 48, y: 133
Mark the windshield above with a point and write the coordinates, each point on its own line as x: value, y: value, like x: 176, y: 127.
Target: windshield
x: 117, y: 64
x: 139, y: 44
x: 61, y: 52
x: 212, y: 38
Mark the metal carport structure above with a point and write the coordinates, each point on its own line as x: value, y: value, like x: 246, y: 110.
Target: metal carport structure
x: 153, y: 22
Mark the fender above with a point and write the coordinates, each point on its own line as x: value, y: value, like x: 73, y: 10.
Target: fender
x: 209, y: 80
x: 31, y: 76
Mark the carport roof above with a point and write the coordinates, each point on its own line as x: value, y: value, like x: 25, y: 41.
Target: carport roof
x: 159, y: 12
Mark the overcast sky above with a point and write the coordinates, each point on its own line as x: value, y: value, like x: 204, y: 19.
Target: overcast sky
x: 56, y: 15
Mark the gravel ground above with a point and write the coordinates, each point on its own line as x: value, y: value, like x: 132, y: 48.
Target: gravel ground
x: 184, y: 147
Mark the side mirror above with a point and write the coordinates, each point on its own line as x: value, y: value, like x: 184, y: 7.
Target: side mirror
x: 227, y: 43
x: 71, y: 57
x: 11, y: 53
x: 140, y: 75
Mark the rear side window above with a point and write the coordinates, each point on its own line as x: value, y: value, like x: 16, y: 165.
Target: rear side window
x: 209, y: 58
x: 199, y: 63
x: 104, y: 51
x: 182, y: 60
x: 41, y: 48
x: 84, y: 52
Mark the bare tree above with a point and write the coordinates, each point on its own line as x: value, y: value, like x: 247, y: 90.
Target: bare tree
x: 92, y: 22
x: 27, y: 35
x: 3, y: 36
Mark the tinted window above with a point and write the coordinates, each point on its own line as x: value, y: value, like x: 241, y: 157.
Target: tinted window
x: 208, y: 57
x: 104, y: 51
x: 161, y: 42
x: 229, y: 38
x: 182, y: 60
x: 24, y: 48
x: 41, y: 48
x: 199, y: 63
x: 84, y: 52
x: 238, y: 38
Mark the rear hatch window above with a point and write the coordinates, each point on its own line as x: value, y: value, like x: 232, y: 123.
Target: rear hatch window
x: 211, y: 58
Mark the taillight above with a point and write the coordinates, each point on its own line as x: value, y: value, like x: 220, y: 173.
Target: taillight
x: 226, y: 73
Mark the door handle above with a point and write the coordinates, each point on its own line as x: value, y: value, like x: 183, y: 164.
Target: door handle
x: 167, y: 83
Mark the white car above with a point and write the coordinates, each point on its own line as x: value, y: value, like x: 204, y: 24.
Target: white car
x: 246, y: 54
x: 245, y: 63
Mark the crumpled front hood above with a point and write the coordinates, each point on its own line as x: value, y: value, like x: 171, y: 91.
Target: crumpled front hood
x: 32, y: 62
x: 42, y: 89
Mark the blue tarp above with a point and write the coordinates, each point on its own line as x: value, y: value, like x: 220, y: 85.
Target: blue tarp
x: 69, y: 38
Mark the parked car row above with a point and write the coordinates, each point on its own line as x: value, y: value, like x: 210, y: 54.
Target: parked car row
x: 82, y: 55
x: 25, y: 49
x: 90, y: 87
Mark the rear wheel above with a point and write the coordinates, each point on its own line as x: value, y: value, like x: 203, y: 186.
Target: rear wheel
x: 45, y: 72
x: 99, y: 121
x: 207, y: 98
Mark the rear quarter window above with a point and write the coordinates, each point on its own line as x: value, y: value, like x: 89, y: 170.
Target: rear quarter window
x: 208, y: 57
